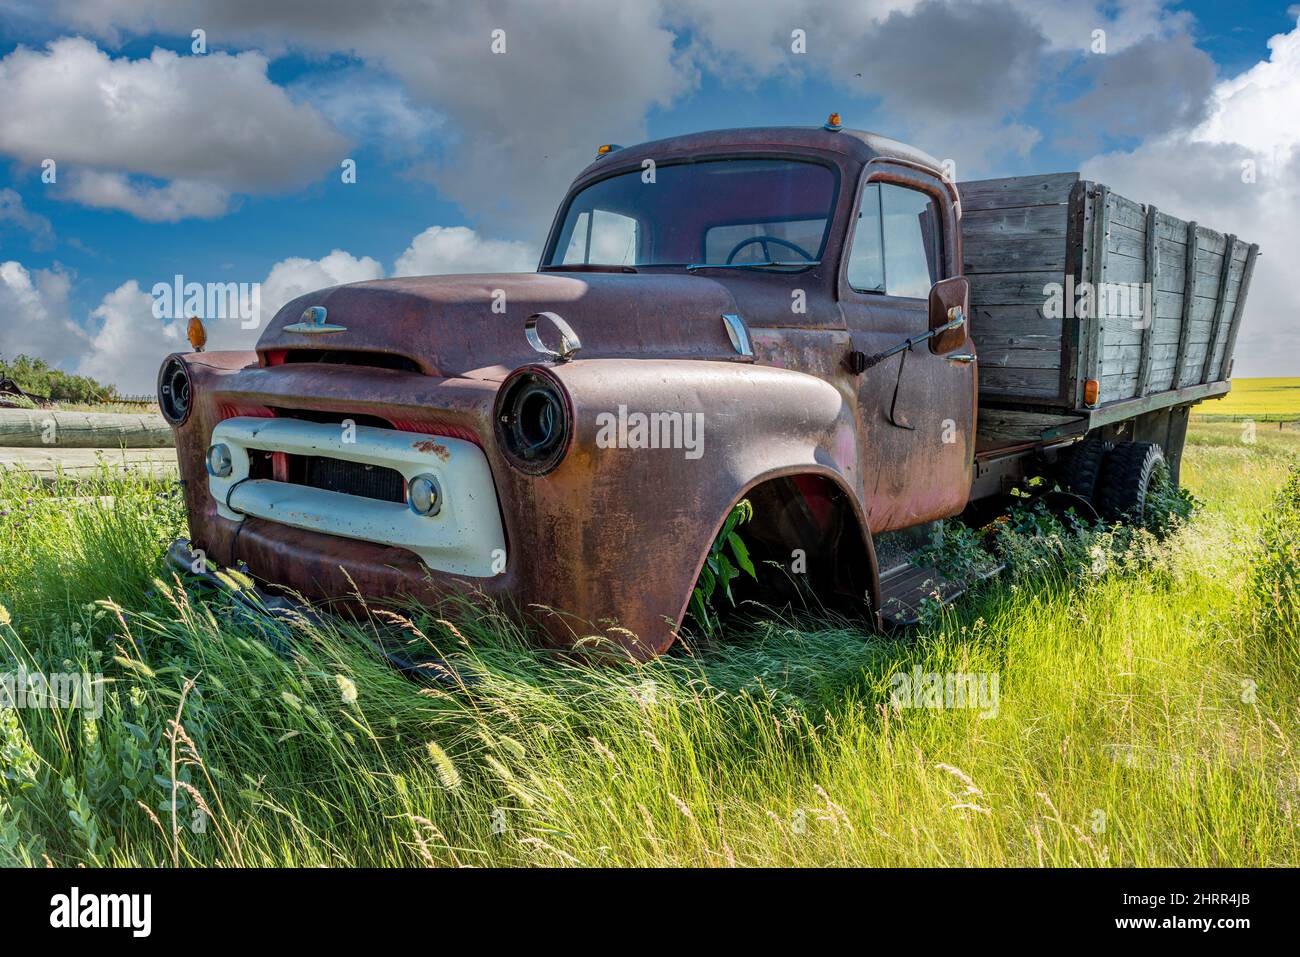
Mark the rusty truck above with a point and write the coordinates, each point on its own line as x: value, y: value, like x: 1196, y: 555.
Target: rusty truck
x: 815, y: 320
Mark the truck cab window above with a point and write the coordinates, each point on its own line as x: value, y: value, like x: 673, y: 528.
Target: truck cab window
x: 896, y: 244
x: 600, y: 236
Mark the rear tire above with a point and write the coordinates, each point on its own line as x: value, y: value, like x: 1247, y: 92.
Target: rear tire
x: 1082, y: 467
x: 1127, y: 474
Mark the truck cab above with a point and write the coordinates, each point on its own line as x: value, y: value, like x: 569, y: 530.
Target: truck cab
x: 774, y: 315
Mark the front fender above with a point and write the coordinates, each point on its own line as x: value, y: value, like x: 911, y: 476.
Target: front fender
x: 630, y: 520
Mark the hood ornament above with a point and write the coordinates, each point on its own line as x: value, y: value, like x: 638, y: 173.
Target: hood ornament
x: 313, y: 322
x: 569, y: 341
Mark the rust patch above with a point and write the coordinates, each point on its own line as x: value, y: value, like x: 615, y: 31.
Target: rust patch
x: 432, y: 447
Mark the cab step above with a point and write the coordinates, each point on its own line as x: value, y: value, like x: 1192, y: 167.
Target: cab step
x: 908, y: 587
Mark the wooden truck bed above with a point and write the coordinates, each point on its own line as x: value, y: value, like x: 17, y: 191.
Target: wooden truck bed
x: 1021, y: 233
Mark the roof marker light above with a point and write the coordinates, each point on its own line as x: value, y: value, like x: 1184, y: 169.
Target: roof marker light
x: 833, y: 123
x: 607, y: 148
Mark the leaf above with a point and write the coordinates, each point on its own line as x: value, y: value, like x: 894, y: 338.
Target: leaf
x: 741, y: 553
x: 728, y: 572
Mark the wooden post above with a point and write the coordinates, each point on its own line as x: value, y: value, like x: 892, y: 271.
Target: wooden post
x: 1189, y: 298
x: 48, y: 429
x: 1229, y: 251
x: 1225, y: 366
x: 1092, y: 327
x: 1148, y: 331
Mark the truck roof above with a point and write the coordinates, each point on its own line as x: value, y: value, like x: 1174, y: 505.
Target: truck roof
x: 859, y: 145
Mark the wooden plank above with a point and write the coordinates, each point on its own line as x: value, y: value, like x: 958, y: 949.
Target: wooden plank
x: 1013, y: 225
x: 1019, y: 255
x: 1189, y: 297
x: 1011, y: 288
x: 1149, y: 320
x: 1225, y: 365
x: 1011, y: 191
x: 1091, y: 328
x: 1013, y: 425
x: 1220, y: 302
x: 1014, y: 383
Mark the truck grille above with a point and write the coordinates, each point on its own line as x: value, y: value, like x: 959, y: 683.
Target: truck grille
x: 331, y: 475
x: 351, y: 478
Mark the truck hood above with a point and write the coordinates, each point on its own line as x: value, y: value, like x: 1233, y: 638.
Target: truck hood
x: 473, y: 326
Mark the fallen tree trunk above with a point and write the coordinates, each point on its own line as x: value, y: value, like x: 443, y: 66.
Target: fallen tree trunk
x: 43, y: 428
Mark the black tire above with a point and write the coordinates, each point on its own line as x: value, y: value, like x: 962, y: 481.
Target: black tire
x: 1126, y: 476
x: 1082, y: 467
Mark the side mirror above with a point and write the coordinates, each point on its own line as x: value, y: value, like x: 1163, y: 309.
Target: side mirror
x: 950, y: 307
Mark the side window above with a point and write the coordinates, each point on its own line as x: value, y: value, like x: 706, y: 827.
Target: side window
x: 896, y: 245
x: 600, y: 236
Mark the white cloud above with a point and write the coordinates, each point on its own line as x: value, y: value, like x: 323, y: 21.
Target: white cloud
x: 208, y: 126
x: 448, y: 250
x: 130, y: 343
x: 34, y: 314
x: 1197, y: 173
x: 178, y: 199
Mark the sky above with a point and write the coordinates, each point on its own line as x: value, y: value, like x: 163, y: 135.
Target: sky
x: 133, y: 149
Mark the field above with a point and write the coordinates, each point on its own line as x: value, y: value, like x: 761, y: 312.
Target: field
x: 1146, y: 713
x: 1266, y: 400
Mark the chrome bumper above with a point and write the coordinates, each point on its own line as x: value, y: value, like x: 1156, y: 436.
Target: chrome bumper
x: 464, y: 538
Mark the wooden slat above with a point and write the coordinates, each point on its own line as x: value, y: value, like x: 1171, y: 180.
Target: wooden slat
x: 1189, y: 298
x: 1149, y: 320
x: 1007, y: 192
x: 1221, y: 301
x: 1225, y: 365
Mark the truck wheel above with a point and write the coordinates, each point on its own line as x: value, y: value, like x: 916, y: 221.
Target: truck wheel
x: 1128, y: 474
x: 1082, y: 467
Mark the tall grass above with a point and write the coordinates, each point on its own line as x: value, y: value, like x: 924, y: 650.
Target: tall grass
x: 1146, y: 714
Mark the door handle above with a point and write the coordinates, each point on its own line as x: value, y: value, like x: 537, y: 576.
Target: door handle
x: 963, y: 357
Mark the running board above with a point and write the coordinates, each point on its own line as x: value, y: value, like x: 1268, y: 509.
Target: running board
x: 907, y: 590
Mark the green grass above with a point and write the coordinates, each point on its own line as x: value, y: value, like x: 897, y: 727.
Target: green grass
x: 1265, y: 400
x: 1147, y: 714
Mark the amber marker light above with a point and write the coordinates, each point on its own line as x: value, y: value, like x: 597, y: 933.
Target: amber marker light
x: 1091, y: 391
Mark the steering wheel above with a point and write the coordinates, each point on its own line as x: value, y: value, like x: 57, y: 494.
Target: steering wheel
x: 767, y: 255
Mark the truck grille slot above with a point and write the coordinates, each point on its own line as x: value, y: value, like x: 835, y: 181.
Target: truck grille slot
x: 351, y: 478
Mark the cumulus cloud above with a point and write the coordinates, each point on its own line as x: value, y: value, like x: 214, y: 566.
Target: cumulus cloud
x: 448, y: 250
x: 207, y: 126
x: 523, y: 108
x: 130, y: 342
x: 34, y: 314
x: 13, y: 213
x: 1237, y: 171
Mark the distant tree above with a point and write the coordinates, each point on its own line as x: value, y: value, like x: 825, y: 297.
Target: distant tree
x: 36, y: 376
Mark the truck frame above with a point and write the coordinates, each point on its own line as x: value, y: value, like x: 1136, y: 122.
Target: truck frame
x: 815, y: 320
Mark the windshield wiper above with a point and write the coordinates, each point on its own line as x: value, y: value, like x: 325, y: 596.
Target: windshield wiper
x: 771, y: 262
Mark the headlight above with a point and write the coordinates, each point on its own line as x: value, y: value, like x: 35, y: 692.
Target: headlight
x: 174, y: 390
x: 219, y: 462
x: 534, y: 421
x: 424, y: 495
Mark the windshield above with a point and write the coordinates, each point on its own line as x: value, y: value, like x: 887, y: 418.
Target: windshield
x: 739, y: 212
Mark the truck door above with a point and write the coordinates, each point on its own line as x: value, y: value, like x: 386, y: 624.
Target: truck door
x: 916, y: 410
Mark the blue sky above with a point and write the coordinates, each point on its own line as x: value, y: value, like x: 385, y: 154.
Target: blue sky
x: 229, y: 170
